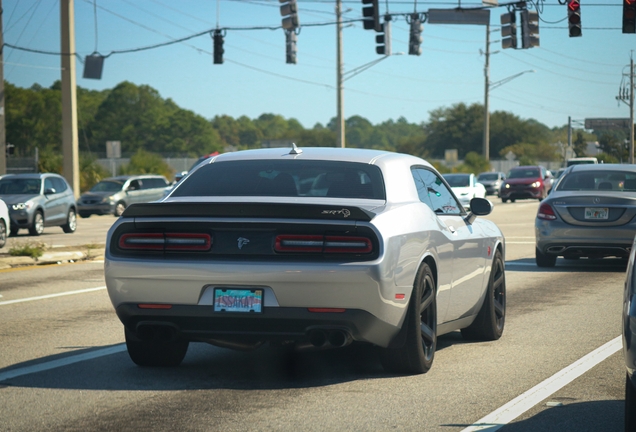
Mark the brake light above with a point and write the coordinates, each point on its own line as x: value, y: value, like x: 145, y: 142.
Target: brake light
x: 324, y: 244
x: 546, y: 212
x: 166, y: 241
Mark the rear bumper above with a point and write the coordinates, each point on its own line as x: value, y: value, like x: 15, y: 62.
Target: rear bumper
x: 521, y: 193
x: 274, y: 324
x: 100, y: 209
x: 562, y: 239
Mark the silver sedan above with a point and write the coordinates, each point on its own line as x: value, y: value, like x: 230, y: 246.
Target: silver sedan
x: 590, y: 213
x: 309, y: 248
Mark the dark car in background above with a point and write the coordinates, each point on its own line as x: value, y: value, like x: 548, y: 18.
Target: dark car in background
x: 113, y: 195
x: 36, y: 201
x: 492, y: 181
x: 526, y: 182
x: 590, y: 213
x: 629, y: 342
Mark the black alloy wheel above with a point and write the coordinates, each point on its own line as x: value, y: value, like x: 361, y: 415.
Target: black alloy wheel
x: 491, y: 319
x: 630, y: 405
x: 418, y: 351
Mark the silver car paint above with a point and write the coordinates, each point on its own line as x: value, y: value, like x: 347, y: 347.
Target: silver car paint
x: 405, y: 241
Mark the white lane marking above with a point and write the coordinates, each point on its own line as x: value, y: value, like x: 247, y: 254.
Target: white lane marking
x: 82, y: 291
x: 61, y: 362
x: 513, y: 409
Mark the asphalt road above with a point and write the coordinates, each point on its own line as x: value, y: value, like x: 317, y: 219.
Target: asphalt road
x: 63, y: 366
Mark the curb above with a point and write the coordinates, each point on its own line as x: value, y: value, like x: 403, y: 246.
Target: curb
x: 50, y: 257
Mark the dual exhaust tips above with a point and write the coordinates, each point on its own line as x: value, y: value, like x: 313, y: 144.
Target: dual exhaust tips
x: 329, y: 338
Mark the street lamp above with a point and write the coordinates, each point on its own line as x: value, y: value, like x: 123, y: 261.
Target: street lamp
x: 493, y: 85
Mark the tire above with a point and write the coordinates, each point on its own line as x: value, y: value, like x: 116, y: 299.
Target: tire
x: 512, y: 200
x: 13, y: 232
x: 544, y: 260
x: 491, y: 319
x: 84, y: 215
x: 37, y: 227
x: 71, y: 222
x: 630, y: 405
x: 119, y: 208
x: 417, y: 353
x: 3, y: 234
x: 155, y: 353
x: 504, y: 200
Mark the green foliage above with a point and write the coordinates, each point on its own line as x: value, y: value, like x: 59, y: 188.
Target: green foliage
x: 33, y: 250
x: 605, y: 158
x: 50, y: 160
x: 145, y: 162
x: 90, y: 172
x: 529, y: 154
x: 579, y: 145
x: 473, y: 163
x: 613, y: 144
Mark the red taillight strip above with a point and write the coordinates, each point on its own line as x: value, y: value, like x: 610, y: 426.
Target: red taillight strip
x: 167, y: 241
x: 546, y: 212
x: 326, y: 244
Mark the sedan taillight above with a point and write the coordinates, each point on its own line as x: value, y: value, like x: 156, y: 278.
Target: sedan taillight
x: 322, y: 244
x: 166, y: 241
x: 546, y: 212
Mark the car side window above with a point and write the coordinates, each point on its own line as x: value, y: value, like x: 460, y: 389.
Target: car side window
x: 433, y: 192
x: 134, y: 185
x: 59, y: 184
x: 48, y: 184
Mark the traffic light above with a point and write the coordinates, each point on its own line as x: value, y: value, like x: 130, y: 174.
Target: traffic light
x: 529, y: 29
x: 218, y: 46
x: 415, y: 37
x: 290, y: 46
x: 289, y: 12
x: 509, y: 30
x: 371, y: 15
x: 574, y: 17
x: 629, y: 16
x: 9, y: 149
x: 383, y: 38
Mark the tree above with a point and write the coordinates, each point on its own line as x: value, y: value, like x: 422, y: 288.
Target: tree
x: 145, y: 162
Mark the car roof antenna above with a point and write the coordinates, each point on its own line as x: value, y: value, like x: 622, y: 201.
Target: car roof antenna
x: 295, y: 150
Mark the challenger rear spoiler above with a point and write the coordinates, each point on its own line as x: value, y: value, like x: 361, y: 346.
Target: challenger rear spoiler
x: 259, y: 210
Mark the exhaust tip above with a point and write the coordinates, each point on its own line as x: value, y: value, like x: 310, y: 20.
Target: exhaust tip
x: 317, y: 338
x: 339, y: 338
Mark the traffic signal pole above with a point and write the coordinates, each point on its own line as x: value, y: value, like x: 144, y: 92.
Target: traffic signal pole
x: 3, y: 137
x: 339, y: 76
x: 631, y: 108
x: 486, y: 149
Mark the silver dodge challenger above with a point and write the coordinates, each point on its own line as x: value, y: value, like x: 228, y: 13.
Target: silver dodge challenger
x: 309, y: 248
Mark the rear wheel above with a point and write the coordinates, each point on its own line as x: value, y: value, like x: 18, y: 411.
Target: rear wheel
x: 544, y: 260
x: 3, y: 233
x: 630, y: 405
x: 417, y: 353
x: 155, y: 352
x: 512, y: 199
x: 13, y: 231
x: 84, y: 214
x: 71, y: 222
x: 490, y: 321
x: 504, y: 200
x: 37, y: 227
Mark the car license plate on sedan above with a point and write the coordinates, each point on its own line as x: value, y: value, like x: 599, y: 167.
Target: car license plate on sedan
x: 596, y: 213
x: 238, y: 300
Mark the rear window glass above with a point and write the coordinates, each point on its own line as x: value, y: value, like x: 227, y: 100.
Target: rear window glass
x: 284, y: 178
x: 108, y: 186
x: 458, y: 180
x: 488, y: 177
x: 599, y: 180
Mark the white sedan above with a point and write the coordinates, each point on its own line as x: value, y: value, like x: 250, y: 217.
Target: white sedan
x: 465, y: 187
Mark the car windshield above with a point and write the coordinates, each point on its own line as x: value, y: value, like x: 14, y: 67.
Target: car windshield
x: 19, y: 186
x: 488, y: 177
x: 108, y: 186
x: 284, y: 178
x: 458, y: 180
x: 524, y: 173
x: 599, y: 180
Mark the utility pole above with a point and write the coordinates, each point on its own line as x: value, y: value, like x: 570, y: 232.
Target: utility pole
x: 486, y: 149
x: 631, y: 108
x: 570, y: 132
x: 3, y: 132
x: 339, y: 77
x: 69, y: 96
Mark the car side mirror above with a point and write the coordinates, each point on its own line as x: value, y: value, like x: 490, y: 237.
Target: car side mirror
x: 49, y: 191
x: 478, y: 207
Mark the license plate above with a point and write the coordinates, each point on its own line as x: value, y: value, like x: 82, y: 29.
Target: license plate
x: 596, y: 213
x: 238, y: 300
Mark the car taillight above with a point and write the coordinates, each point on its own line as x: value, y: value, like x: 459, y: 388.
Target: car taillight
x: 325, y: 244
x: 166, y: 241
x: 546, y: 212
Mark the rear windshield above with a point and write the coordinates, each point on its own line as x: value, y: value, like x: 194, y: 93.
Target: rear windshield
x: 524, y: 173
x: 599, y: 180
x: 108, y: 186
x: 284, y: 178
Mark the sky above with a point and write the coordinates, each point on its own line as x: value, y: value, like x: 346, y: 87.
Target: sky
x: 564, y: 77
